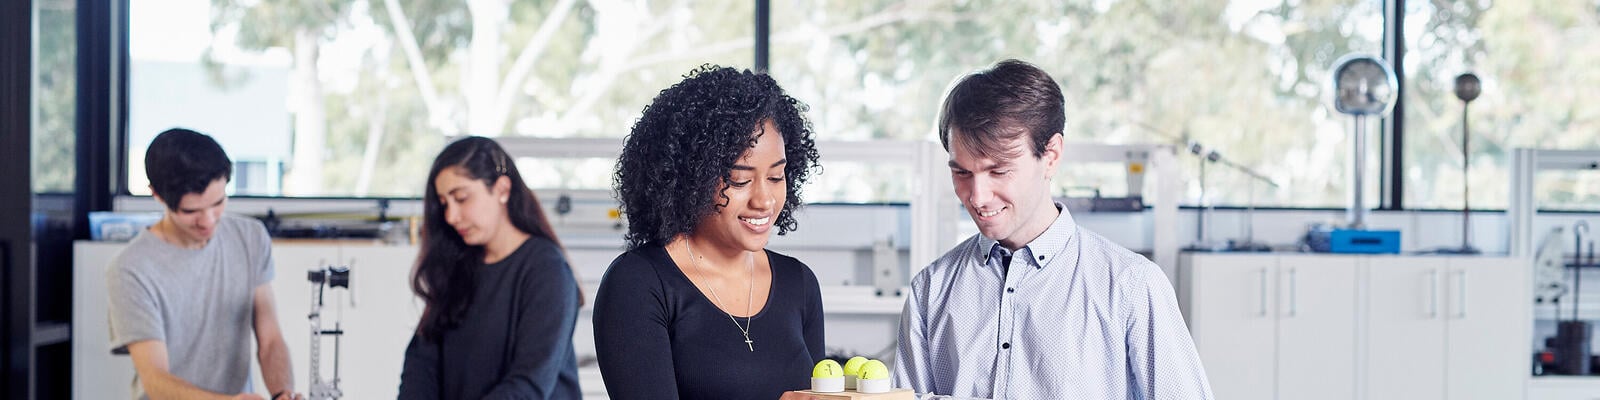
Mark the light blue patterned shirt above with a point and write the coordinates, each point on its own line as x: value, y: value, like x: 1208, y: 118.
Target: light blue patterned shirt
x: 1077, y: 317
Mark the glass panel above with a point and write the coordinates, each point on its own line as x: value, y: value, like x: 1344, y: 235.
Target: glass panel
x: 1245, y: 77
x: 354, y: 98
x: 55, y: 93
x: 566, y: 173
x: 859, y: 182
x: 1536, y: 63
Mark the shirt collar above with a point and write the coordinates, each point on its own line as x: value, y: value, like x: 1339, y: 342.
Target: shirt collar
x: 1042, y: 249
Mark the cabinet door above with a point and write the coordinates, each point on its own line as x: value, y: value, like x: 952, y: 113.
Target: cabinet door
x: 1486, y: 309
x: 1405, y: 328
x: 1316, y: 309
x: 1232, y: 321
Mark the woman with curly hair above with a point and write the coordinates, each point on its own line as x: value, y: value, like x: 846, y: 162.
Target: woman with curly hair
x: 501, y: 302
x: 710, y: 170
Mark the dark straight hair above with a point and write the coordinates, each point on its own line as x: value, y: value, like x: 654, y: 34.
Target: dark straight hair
x: 995, y: 105
x: 181, y: 161
x: 445, y: 272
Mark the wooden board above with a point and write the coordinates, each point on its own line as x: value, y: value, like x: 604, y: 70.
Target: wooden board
x: 896, y: 394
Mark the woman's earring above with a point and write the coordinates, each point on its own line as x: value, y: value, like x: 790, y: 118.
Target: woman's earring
x: 503, y: 200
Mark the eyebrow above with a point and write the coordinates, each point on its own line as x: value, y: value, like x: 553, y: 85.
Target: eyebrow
x: 738, y: 167
x: 992, y: 166
x: 190, y: 210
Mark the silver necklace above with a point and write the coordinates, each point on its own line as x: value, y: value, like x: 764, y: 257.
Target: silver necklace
x: 749, y: 293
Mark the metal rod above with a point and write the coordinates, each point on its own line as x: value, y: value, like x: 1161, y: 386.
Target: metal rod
x: 1466, y: 196
x: 1579, y: 231
x: 1357, y: 214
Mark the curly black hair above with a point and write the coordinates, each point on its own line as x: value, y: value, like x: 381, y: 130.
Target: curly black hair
x: 685, y: 145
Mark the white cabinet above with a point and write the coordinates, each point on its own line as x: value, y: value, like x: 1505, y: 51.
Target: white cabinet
x: 1318, y: 326
x: 1260, y: 324
x: 1563, y: 388
x: 1316, y: 333
x: 1446, y: 328
x: 1404, y: 329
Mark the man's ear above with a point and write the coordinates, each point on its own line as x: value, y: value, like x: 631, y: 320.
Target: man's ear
x: 1053, y: 150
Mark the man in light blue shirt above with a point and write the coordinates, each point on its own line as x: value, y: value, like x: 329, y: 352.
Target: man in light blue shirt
x: 1034, y: 307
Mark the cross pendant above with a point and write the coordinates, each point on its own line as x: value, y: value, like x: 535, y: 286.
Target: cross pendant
x: 750, y: 344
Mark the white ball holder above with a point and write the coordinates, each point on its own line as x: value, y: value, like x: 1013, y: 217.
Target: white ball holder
x: 873, y: 385
x: 828, y: 385
x: 850, y: 382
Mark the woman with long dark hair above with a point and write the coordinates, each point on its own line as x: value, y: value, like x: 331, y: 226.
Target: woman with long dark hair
x: 698, y: 308
x: 500, y: 298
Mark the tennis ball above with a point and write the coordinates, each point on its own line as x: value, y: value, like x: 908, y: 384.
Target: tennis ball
x: 874, y: 369
x: 827, y: 369
x: 853, y: 366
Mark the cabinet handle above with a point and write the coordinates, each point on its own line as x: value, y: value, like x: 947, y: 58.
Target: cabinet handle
x: 1294, y: 305
x: 1263, y: 312
x: 1461, y: 295
x: 1433, y: 294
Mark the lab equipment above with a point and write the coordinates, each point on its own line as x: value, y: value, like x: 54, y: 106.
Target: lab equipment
x: 325, y: 278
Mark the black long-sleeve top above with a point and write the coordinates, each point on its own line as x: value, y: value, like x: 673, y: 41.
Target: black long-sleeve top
x: 658, y: 337
x: 515, y: 341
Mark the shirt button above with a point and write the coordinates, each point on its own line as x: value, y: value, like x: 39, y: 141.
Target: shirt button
x: 1006, y: 345
x: 1041, y: 258
x: 1011, y: 290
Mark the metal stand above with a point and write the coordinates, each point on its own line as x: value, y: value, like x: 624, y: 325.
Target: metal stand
x: 1356, y: 214
x: 1467, y: 89
x: 1207, y: 209
x: 1249, y: 243
x: 330, y: 277
x: 1203, y: 216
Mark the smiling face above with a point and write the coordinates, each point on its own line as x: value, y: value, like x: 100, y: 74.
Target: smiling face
x: 476, y: 211
x: 753, y: 199
x: 1008, y: 195
x: 194, y: 220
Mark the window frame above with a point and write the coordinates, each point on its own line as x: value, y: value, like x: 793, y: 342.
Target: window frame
x: 104, y: 64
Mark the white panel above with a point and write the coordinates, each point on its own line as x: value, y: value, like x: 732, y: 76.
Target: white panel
x: 1316, y: 309
x: 1405, y: 328
x: 1563, y: 388
x: 1232, y: 321
x: 111, y: 376
x: 1486, y: 304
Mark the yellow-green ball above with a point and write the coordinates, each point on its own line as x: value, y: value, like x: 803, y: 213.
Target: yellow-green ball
x: 827, y: 369
x: 852, y: 367
x: 874, y: 369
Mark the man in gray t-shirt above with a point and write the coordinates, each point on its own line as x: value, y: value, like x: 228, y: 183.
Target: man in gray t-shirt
x: 187, y: 294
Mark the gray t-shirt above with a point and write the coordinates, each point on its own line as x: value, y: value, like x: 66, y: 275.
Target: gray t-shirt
x: 199, y: 302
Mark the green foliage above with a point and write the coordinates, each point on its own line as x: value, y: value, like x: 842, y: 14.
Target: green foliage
x: 56, y: 88
x: 1250, y: 83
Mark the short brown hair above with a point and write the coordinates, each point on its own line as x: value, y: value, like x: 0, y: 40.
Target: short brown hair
x: 998, y: 104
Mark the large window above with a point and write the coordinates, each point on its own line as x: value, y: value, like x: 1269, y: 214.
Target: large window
x: 54, y: 90
x: 1537, y: 63
x: 354, y: 98
x: 1244, y: 77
